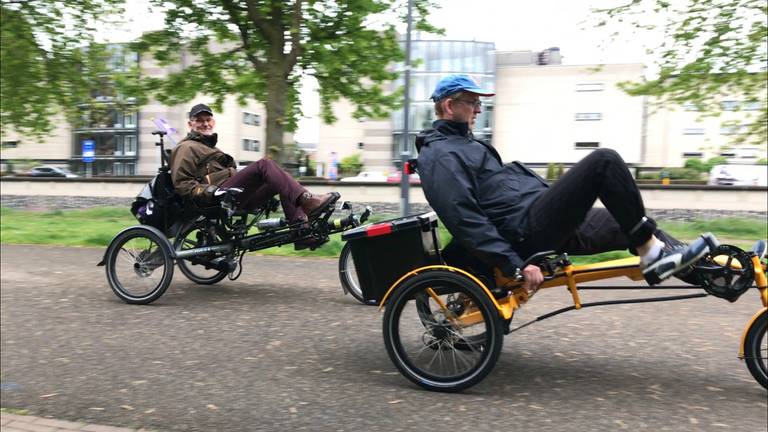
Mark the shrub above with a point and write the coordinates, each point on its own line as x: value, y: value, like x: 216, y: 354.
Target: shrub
x: 717, y: 160
x: 350, y: 165
x: 550, y: 171
x: 696, y: 165
x: 649, y: 176
x: 683, y: 174
x: 554, y: 171
x: 704, y: 167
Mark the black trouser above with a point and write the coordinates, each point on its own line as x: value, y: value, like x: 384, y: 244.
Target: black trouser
x: 563, y: 219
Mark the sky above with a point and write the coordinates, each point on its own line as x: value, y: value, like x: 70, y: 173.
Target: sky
x: 510, y: 24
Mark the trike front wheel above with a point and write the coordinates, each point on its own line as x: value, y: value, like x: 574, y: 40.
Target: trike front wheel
x: 139, y: 265
x: 442, y: 331
x: 756, y: 349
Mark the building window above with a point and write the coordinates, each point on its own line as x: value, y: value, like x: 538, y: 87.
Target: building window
x: 250, y: 144
x: 734, y: 129
x: 730, y: 105
x: 118, y: 169
x: 10, y: 144
x: 590, y: 87
x: 587, y: 144
x: 693, y: 131
x: 589, y: 116
x: 752, y: 106
x: 691, y: 107
x: 251, y: 119
x: 728, y: 154
x: 130, y: 120
x: 129, y: 145
x: 119, y: 149
x: 693, y: 154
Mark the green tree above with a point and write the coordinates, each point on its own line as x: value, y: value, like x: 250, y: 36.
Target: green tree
x: 259, y: 49
x: 47, y: 62
x: 712, y: 51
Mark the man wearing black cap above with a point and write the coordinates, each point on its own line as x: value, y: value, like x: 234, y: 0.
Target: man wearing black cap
x: 504, y: 213
x: 199, y: 170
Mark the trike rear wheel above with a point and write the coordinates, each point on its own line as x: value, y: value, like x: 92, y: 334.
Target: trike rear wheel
x: 442, y: 331
x: 756, y: 349
x: 139, y: 265
x: 193, y: 236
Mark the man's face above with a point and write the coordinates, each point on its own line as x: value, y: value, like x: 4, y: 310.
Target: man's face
x: 202, y: 123
x: 464, y: 108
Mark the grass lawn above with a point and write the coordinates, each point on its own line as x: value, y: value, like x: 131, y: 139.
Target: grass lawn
x: 96, y: 227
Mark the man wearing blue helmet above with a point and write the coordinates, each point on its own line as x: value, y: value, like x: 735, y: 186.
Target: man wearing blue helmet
x: 503, y: 213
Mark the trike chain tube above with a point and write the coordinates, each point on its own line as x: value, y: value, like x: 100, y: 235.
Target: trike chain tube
x: 608, y: 303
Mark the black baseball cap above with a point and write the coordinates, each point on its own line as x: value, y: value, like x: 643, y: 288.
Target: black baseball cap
x: 200, y: 108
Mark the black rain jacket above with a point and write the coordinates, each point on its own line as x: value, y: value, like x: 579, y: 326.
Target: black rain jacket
x: 481, y: 201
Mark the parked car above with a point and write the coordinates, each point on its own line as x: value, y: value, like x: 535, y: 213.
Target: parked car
x: 739, y: 175
x: 367, y: 176
x: 396, y: 177
x: 50, y: 171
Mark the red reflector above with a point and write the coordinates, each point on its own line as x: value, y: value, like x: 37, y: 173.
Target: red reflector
x: 408, y: 169
x: 377, y: 230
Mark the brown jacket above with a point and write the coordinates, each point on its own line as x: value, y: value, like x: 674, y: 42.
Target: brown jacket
x: 196, y: 165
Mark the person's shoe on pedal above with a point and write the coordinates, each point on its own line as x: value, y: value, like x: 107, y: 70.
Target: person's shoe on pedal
x: 313, y: 205
x: 309, y: 243
x: 662, y: 262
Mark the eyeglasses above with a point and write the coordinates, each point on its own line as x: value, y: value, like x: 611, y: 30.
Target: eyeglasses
x: 473, y: 103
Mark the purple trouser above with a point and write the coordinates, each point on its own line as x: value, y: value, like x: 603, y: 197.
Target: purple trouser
x: 264, y: 179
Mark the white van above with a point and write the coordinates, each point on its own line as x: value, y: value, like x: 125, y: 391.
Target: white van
x: 739, y: 175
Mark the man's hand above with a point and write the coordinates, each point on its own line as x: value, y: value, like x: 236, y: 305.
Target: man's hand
x: 231, y: 191
x: 532, y: 278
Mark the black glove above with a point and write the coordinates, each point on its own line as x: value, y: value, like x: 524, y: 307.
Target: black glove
x: 226, y: 197
x: 221, y: 192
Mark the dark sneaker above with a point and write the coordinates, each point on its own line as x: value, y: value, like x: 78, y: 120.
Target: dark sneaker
x: 673, y: 260
x: 687, y: 274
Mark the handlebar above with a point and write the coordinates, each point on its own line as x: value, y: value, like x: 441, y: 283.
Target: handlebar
x: 548, y: 261
x: 352, y: 220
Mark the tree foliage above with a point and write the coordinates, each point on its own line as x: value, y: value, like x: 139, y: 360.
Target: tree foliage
x: 46, y: 63
x: 259, y: 49
x: 713, y: 51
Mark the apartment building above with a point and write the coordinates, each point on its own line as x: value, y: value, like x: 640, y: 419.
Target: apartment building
x: 122, y: 134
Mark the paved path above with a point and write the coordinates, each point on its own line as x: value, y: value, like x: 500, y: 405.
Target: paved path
x: 28, y: 423
x: 282, y: 349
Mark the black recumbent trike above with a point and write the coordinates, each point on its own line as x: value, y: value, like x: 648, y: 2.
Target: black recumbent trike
x: 207, y: 243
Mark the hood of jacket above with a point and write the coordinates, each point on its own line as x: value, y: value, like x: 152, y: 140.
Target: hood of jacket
x: 208, y: 140
x: 440, y: 130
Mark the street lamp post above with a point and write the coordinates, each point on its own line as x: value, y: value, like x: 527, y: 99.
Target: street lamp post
x: 405, y: 149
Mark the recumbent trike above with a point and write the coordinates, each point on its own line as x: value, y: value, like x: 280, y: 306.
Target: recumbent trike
x: 443, y: 324
x: 207, y: 243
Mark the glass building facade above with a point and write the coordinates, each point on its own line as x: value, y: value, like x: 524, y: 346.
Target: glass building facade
x: 431, y: 60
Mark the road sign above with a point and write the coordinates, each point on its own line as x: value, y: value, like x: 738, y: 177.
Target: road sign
x: 89, y: 154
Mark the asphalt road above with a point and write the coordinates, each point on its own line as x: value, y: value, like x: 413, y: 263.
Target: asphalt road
x: 283, y: 349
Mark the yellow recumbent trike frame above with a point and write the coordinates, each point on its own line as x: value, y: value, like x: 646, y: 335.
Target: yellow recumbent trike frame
x: 456, y: 336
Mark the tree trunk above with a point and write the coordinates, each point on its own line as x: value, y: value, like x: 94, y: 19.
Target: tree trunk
x: 276, y: 98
